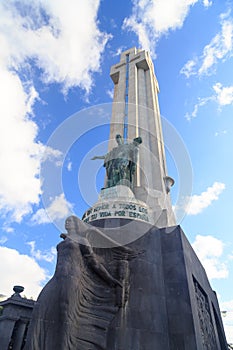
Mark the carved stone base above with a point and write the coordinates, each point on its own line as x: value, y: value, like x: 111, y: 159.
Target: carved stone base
x: 151, y: 294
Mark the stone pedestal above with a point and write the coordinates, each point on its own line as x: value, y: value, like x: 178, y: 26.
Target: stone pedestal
x: 119, y: 202
x: 150, y: 294
x: 170, y: 305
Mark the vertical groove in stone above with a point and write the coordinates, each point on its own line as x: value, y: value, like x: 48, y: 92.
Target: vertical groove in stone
x: 154, y: 138
x: 143, y: 120
x: 133, y: 111
x: 118, y: 108
x: 145, y: 156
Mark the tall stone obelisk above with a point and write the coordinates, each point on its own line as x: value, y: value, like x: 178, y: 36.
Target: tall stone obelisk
x: 136, y: 113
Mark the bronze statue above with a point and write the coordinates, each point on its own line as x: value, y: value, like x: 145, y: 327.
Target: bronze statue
x: 120, y: 162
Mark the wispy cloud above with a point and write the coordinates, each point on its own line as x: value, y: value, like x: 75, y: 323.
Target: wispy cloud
x: 3, y: 239
x: 7, y: 228
x: 48, y: 255
x: 189, y: 68
x: 118, y: 51
x: 210, y: 252
x: 152, y: 19
x: 222, y: 132
x: 201, y: 102
x: 223, y: 96
x: 219, y: 49
x: 20, y: 269
x: 197, y: 203
x: 59, y: 209
x: 69, y: 166
x: 110, y: 93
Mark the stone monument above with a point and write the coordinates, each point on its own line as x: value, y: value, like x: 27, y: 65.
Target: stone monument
x: 14, y: 320
x: 126, y: 276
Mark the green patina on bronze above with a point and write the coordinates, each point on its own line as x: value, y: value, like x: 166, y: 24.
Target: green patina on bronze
x: 120, y: 162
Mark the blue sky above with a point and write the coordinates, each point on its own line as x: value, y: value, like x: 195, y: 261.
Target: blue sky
x: 55, y: 62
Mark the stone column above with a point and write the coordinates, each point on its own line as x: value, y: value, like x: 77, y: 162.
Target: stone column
x: 6, y: 330
x: 21, y: 328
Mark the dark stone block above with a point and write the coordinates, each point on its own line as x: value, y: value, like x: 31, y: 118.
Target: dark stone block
x: 180, y: 324
x: 166, y: 302
x: 174, y: 267
x: 177, y: 342
x: 152, y: 340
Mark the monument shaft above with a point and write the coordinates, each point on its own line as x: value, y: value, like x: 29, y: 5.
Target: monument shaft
x: 136, y: 113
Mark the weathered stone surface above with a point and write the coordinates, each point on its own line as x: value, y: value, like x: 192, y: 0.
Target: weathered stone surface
x: 162, y: 311
x: 14, y: 320
x: 161, y: 304
x: 75, y: 308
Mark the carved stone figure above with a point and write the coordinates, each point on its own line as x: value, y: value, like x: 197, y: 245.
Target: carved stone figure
x: 205, y: 319
x: 87, y: 252
x: 76, y: 307
x: 120, y: 162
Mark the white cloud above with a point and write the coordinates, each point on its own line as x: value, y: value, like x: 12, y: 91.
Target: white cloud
x: 151, y: 19
x: 69, y: 166
x: 219, y: 48
x: 228, y: 319
x: 19, y: 182
x: 48, y: 153
x: 209, y: 250
x: 200, y: 202
x: 7, y: 228
x: 3, y: 239
x: 119, y: 51
x: 218, y: 133
x: 189, y: 68
x: 59, y: 209
x: 19, y: 269
x: 110, y: 93
x: 207, y: 3
x: 20, y: 154
x: 224, y: 94
x: 201, y: 102
x: 66, y: 44
x: 64, y: 41
x: 48, y: 255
